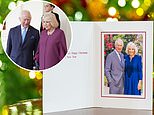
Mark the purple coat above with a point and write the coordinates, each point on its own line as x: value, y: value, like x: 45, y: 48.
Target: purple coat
x: 51, y: 49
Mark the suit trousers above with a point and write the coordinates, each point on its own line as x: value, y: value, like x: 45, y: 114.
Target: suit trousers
x: 117, y: 88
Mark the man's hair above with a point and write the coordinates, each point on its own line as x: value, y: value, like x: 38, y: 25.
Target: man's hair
x: 119, y: 40
x: 25, y: 11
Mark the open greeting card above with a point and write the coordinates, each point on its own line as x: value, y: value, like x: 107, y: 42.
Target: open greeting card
x: 79, y: 80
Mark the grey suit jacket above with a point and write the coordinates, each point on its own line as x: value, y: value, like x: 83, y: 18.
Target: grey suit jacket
x: 114, y: 68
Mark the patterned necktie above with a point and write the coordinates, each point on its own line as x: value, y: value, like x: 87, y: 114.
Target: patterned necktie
x: 120, y: 56
x: 23, y: 34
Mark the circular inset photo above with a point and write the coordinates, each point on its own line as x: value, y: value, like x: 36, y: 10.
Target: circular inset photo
x: 36, y: 35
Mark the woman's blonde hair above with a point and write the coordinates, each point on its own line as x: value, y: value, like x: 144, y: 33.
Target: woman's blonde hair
x: 52, y: 18
x: 133, y: 46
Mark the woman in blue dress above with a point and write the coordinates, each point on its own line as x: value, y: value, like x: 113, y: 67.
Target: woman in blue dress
x: 133, y: 71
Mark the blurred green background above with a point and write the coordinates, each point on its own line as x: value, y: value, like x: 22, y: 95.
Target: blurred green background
x: 17, y: 84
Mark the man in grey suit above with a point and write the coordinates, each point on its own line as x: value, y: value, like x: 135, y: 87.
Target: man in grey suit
x: 114, y: 69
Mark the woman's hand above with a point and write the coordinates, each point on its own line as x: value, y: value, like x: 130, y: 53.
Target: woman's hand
x: 139, y: 84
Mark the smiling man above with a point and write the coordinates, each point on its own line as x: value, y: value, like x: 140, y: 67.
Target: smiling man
x: 114, y: 69
x: 22, y: 41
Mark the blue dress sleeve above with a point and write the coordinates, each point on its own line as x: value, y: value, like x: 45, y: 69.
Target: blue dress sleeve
x: 140, y: 68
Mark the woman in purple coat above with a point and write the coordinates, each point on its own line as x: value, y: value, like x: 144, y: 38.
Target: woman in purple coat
x: 52, y: 45
x: 133, y: 71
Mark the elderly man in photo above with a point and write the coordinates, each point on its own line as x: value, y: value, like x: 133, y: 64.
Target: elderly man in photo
x: 114, y: 69
x: 22, y: 41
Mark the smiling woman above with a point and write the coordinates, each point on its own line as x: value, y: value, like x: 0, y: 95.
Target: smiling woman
x: 133, y: 71
x: 52, y: 45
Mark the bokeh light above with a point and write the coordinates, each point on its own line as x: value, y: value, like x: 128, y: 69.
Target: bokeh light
x: 38, y: 75
x: 32, y: 74
x: 5, y: 110
x: 111, y: 19
x: 152, y: 15
x: 139, y: 11
x: 29, y: 106
x: 78, y: 16
x: 105, y: 1
x: 135, y: 3
x: 121, y: 3
x: 14, y: 110
x: 112, y: 11
x: 147, y: 2
x: 12, y: 6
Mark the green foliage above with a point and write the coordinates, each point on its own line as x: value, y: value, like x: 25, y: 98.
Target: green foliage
x: 75, y: 6
x: 4, y: 10
x: 18, y: 87
x: 14, y: 85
